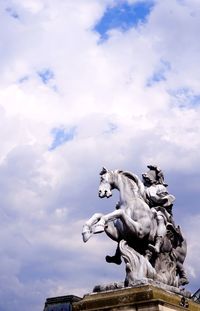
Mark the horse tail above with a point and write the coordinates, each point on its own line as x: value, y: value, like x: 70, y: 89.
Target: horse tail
x: 137, y: 266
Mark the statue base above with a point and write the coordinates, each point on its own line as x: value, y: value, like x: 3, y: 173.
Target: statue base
x: 137, y: 298
x: 141, y: 282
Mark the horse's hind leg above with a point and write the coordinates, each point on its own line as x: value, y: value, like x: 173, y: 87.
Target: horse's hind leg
x: 87, y: 228
x: 112, y: 229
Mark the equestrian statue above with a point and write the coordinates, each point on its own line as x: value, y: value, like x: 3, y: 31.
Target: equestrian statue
x: 142, y: 224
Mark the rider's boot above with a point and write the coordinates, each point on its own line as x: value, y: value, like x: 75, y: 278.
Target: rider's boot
x: 156, y: 248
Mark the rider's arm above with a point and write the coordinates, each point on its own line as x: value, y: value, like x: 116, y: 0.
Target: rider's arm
x: 160, y: 196
x: 157, y: 194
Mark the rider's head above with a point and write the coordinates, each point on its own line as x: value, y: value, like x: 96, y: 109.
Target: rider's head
x: 149, y: 178
x: 153, y: 176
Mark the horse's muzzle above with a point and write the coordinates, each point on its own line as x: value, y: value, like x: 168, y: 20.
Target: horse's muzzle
x: 105, y: 194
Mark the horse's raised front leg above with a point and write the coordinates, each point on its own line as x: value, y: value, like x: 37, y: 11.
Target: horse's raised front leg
x: 132, y: 226
x: 87, y: 228
x: 100, y: 227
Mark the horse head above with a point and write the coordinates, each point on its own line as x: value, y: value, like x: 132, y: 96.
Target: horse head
x: 106, y: 183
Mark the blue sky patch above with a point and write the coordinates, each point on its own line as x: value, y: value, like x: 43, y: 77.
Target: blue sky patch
x: 159, y: 74
x: 123, y: 16
x: 46, y: 75
x: 157, y: 77
x: 185, y: 97
x: 12, y: 13
x: 61, y: 136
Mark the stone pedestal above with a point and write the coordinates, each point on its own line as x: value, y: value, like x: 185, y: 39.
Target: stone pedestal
x: 142, y: 298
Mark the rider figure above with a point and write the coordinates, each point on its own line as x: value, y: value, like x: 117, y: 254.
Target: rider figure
x: 160, y: 202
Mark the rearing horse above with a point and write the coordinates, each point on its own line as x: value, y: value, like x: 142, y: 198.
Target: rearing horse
x: 133, y: 219
x: 134, y: 222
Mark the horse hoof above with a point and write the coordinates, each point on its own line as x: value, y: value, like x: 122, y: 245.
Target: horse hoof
x: 114, y: 259
x: 86, y: 236
x: 86, y: 233
x: 98, y: 229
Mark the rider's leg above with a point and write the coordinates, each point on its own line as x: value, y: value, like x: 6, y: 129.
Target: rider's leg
x: 160, y: 233
x: 156, y: 248
x: 161, y: 229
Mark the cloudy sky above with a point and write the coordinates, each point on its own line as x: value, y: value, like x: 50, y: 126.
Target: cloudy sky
x: 87, y: 83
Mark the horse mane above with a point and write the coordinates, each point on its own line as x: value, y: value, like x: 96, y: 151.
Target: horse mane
x: 136, y: 180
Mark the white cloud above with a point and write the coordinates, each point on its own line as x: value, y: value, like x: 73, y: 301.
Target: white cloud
x: 121, y: 122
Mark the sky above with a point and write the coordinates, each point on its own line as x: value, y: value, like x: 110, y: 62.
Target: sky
x: 86, y: 84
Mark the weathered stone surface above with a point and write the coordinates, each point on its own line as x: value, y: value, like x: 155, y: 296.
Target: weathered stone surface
x: 142, y: 282
x: 140, y: 298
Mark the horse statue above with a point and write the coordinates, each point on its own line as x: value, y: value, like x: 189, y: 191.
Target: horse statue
x: 134, y: 225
